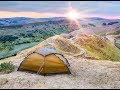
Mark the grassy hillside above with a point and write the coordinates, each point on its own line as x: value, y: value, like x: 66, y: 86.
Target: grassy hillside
x: 116, y: 33
x: 99, y: 48
x: 64, y: 45
x: 17, y: 35
x: 117, y: 43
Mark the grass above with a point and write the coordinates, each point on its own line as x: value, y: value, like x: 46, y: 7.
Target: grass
x: 66, y: 46
x: 7, y: 67
x: 9, y: 46
x: 99, y: 48
x: 117, y: 43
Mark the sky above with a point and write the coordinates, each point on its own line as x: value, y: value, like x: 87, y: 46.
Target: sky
x: 43, y: 9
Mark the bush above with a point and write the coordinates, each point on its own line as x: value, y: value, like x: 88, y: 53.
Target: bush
x: 92, y: 25
x: 7, y: 67
x: 111, y: 23
x: 5, y: 38
x: 104, y: 24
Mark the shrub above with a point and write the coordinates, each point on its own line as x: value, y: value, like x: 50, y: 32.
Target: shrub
x: 104, y: 24
x: 5, y: 38
x: 111, y: 23
x: 7, y: 67
x: 92, y: 25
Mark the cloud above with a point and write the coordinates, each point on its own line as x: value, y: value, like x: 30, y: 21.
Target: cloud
x: 6, y: 14
x: 108, y: 8
x: 33, y: 6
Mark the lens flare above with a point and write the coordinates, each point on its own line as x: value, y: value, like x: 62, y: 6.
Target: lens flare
x: 72, y: 14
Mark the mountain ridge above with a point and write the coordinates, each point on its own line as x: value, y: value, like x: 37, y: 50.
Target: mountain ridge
x: 26, y: 20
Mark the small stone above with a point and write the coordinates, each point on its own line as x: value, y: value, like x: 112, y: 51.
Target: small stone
x: 3, y: 81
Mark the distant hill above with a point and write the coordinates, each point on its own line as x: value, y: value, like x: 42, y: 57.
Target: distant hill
x: 96, y: 18
x: 38, y: 26
x: 25, y: 20
x: 84, y: 22
x: 15, y: 38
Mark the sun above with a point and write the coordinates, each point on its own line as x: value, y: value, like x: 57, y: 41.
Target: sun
x: 73, y: 15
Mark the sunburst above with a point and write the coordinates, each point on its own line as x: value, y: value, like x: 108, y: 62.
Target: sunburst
x: 72, y: 14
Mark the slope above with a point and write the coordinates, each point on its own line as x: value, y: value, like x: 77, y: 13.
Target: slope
x: 98, y: 47
x: 31, y: 34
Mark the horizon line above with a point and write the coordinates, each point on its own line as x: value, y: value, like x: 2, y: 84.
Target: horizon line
x: 7, y: 14
x: 56, y: 17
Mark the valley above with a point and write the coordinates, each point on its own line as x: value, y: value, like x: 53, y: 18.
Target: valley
x: 17, y: 35
x: 15, y: 38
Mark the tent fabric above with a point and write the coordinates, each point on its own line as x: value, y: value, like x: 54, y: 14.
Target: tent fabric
x: 45, y: 61
x: 45, y: 51
x: 63, y: 58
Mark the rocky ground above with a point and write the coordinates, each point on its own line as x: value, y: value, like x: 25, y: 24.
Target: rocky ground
x: 86, y: 74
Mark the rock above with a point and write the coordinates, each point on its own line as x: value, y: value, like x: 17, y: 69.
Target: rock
x: 3, y: 81
x: 66, y: 35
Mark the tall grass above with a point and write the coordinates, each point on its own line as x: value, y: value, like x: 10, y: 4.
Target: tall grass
x: 7, y: 67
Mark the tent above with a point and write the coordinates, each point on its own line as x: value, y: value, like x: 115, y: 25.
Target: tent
x: 45, y: 61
